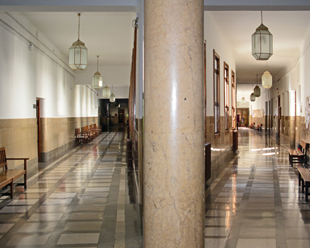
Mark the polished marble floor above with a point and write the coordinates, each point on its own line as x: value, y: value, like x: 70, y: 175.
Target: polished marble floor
x: 81, y: 200
x: 87, y: 199
x: 255, y: 202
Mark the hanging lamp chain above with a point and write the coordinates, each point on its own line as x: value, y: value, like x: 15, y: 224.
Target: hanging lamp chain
x: 97, y: 62
x: 79, y: 15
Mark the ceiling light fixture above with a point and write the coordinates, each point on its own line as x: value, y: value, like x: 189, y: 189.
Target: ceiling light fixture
x: 257, y: 89
x: 262, y: 42
x: 97, y: 79
x: 112, y: 96
x: 267, y: 79
x: 78, y: 53
x: 106, y: 92
x: 252, y: 97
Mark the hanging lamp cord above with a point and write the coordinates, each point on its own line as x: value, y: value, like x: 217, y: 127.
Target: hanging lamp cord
x: 79, y: 15
x: 97, y: 62
x: 261, y: 13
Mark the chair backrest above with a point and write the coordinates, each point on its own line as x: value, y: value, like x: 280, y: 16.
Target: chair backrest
x: 94, y: 126
x: 77, y: 131
x: 3, y: 162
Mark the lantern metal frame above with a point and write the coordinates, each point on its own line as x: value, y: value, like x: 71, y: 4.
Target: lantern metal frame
x: 78, y: 53
x: 262, y: 42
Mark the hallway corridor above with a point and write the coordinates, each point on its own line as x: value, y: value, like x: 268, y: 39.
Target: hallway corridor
x: 87, y: 199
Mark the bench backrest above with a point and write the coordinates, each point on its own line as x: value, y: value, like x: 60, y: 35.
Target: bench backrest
x: 3, y: 162
x: 303, y: 145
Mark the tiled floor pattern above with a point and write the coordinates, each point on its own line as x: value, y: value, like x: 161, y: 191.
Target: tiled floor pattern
x: 80, y: 201
x: 256, y: 202
x: 87, y: 199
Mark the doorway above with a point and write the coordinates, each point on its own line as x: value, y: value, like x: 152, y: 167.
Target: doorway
x: 39, y: 129
x: 243, y: 117
x: 279, y: 115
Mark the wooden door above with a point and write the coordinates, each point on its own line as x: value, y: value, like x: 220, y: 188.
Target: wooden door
x: 38, y: 108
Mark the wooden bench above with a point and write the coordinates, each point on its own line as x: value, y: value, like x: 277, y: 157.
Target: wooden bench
x: 304, y: 180
x: 7, y: 177
x: 298, y: 156
x: 79, y: 137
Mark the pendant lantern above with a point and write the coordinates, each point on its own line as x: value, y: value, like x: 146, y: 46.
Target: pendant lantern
x: 252, y: 97
x: 97, y: 78
x: 262, y: 42
x: 112, y: 96
x: 106, y: 92
x: 257, y: 89
x: 78, y: 53
x: 267, y: 80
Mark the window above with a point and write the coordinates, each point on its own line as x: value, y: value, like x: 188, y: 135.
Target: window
x: 226, y: 96
x: 233, y: 99
x: 216, y: 87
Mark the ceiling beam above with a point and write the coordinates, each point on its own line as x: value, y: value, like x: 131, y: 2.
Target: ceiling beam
x: 132, y: 5
x: 239, y: 5
x: 69, y: 5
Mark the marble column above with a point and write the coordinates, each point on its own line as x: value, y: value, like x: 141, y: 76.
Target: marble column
x: 173, y: 187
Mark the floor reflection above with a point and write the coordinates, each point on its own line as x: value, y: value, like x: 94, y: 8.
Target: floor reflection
x: 257, y: 202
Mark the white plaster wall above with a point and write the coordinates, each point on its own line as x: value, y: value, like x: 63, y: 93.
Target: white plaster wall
x: 305, y: 72
x: 25, y: 75
x: 111, y: 75
x: 216, y: 40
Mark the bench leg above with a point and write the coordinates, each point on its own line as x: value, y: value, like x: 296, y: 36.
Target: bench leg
x: 11, y: 190
x: 302, y: 186
x: 307, y: 186
x: 25, y: 181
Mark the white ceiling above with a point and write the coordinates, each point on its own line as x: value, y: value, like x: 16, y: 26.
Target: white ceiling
x: 289, y: 29
x: 110, y: 35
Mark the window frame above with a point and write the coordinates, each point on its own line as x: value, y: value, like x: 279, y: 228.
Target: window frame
x: 233, y: 99
x: 226, y: 95
x: 216, y: 91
